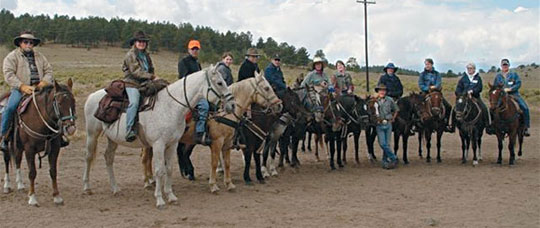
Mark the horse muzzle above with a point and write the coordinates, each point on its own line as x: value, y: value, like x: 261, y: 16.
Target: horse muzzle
x: 69, y: 130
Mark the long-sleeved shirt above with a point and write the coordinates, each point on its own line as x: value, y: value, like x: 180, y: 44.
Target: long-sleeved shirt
x: 188, y: 65
x: 314, y: 78
x: 386, y: 108
x: 511, y: 81
x: 247, y: 70
x: 17, y: 70
x: 465, y: 84
x: 429, y: 78
x: 274, y: 76
x: 393, y: 85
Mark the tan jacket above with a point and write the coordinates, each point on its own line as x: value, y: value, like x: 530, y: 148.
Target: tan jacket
x: 17, y: 70
x: 133, y: 71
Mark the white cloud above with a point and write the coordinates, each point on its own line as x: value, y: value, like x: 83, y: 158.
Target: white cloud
x: 405, y: 31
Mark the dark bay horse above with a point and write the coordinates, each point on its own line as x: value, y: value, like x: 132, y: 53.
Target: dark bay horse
x: 471, y: 123
x: 507, y: 120
x: 49, y: 116
x: 353, y: 110
x: 332, y: 126
x: 404, y: 122
x: 432, y: 113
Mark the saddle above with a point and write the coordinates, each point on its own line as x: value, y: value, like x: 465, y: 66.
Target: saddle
x: 516, y: 104
x: 115, y: 102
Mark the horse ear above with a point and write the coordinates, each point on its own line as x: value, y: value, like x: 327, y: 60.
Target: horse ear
x: 56, y: 85
x: 70, y: 83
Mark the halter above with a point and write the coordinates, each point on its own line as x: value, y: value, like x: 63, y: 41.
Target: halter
x: 60, y: 119
x: 466, y: 112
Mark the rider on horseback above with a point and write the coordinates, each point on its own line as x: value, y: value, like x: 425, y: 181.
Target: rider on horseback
x: 511, y: 83
x: 342, y: 80
x: 430, y: 79
x: 274, y: 76
x: 317, y: 78
x: 393, y: 85
x: 471, y: 84
x: 25, y: 70
x: 137, y: 69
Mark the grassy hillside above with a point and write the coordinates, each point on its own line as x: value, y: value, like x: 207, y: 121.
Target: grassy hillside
x: 94, y: 68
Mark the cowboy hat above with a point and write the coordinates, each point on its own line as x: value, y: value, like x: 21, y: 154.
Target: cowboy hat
x: 138, y: 36
x: 26, y: 35
x: 318, y: 59
x: 252, y: 52
x: 390, y: 66
x: 380, y: 86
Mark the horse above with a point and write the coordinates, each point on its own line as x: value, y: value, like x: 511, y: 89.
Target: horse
x: 471, y: 124
x: 160, y: 128
x: 254, y: 90
x: 507, y: 121
x: 314, y: 98
x: 49, y: 116
x: 285, y: 132
x: 332, y: 126
x: 353, y: 110
x: 404, y: 122
x: 371, y: 127
x: 432, y: 113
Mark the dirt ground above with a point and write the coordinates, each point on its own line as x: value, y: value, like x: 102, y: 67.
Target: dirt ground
x: 417, y: 195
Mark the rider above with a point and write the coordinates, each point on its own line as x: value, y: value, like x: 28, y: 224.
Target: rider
x: 137, y: 69
x: 342, y: 80
x: 274, y: 76
x: 317, y: 77
x: 224, y: 69
x: 24, y: 71
x: 391, y: 81
x: 186, y: 66
x: 430, y: 79
x: 249, y: 66
x: 386, y: 114
x: 471, y: 84
x: 511, y: 83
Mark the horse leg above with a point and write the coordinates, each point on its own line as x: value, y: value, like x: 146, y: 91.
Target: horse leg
x: 147, y: 167
x: 267, y: 145
x: 272, y: 166
x: 227, y: 174
x: 520, y: 141
x: 331, y: 143
x: 7, y: 181
x: 247, y: 164
x: 479, y: 141
x: 463, y: 147
x: 342, y: 145
x: 370, y: 138
x: 109, y: 161
x: 30, y: 155
x: 258, y: 173
x: 53, y: 163
x: 405, y: 141
x: 317, y: 141
x: 511, y: 148
x: 356, y: 136
x: 337, y: 140
x: 216, y: 147
x: 91, y: 145
x: 159, y: 172
x: 168, y: 156
x: 309, y: 142
x: 474, y: 147
x: 420, y: 143
x: 294, y: 152
x: 282, y: 150
x: 18, y: 170
x: 428, y: 146
x: 500, y: 138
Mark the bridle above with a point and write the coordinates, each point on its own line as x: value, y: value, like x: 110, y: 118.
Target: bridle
x: 429, y: 106
x: 463, y: 115
x: 501, y: 105
x: 270, y: 100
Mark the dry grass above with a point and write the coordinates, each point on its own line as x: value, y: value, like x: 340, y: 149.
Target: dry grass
x: 94, y: 68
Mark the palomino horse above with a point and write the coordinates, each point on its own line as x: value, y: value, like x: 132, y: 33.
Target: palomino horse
x: 49, y: 117
x: 432, y: 113
x: 159, y: 128
x: 246, y: 92
x: 507, y: 121
x: 471, y: 124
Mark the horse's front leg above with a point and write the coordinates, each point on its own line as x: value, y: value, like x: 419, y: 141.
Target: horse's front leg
x: 109, y: 161
x: 7, y: 181
x: 500, y: 138
x: 227, y: 178
x: 420, y: 143
x: 428, y: 146
x: 474, y: 147
x: 356, y: 136
x: 258, y: 173
x: 53, y: 163
x: 168, y: 156
x: 511, y: 147
x: 439, y: 144
x: 159, y: 172
x: 147, y: 167
x: 216, y: 147
x: 463, y: 147
x: 30, y: 155
x: 520, y: 141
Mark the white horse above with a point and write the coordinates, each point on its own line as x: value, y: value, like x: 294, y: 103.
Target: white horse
x: 159, y: 128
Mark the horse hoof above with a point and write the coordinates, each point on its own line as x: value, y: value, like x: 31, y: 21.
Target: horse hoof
x: 475, y: 163
x: 463, y: 161
x: 274, y: 173
x: 58, y: 201
x: 511, y: 162
x: 341, y: 165
x: 191, y: 177
x: 117, y: 192
x: 439, y: 160
x: 7, y: 190
x: 32, y: 201
x: 428, y: 160
x: 332, y: 167
x: 172, y: 199
x: 160, y: 204
x: 214, y: 188
x: 405, y: 162
x: 148, y: 186
x: 231, y: 187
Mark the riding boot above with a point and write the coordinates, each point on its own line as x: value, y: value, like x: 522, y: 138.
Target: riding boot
x: 131, y: 135
x: 203, y: 139
x: 490, y: 129
x: 4, y: 144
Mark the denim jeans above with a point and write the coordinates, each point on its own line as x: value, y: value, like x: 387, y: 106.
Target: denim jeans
x: 202, y: 109
x: 131, y: 112
x: 11, y: 107
x: 384, y: 133
x: 525, y: 108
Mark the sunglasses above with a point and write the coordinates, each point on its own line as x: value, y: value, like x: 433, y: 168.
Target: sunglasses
x: 195, y: 49
x: 279, y: 60
x: 28, y: 42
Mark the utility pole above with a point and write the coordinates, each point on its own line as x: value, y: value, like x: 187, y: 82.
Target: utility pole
x: 366, y: 36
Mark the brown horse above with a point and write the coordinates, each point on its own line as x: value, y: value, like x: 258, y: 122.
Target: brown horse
x: 432, y: 113
x: 49, y: 116
x: 246, y: 92
x: 507, y: 121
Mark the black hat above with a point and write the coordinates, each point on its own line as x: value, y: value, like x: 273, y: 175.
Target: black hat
x: 26, y: 35
x: 390, y: 66
x: 276, y: 56
x: 380, y: 86
x: 138, y: 36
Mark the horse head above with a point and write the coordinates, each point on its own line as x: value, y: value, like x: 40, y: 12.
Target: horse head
x: 496, y: 97
x: 291, y: 105
x: 434, y: 100
x: 264, y: 94
x: 462, y: 107
x: 361, y: 109
x: 217, y: 88
x: 63, y: 111
x: 419, y: 106
x: 371, y: 110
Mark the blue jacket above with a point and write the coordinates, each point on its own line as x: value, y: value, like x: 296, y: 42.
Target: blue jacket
x: 511, y: 81
x: 464, y: 85
x: 274, y: 76
x: 393, y: 85
x: 429, y: 78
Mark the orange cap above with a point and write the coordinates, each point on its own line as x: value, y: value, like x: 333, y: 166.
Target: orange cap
x: 193, y: 44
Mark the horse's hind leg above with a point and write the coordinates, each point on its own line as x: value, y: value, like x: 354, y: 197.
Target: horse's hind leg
x: 215, y: 148
x: 227, y: 163
x: 53, y: 163
x: 356, y: 136
x: 109, y: 161
x: 439, y: 144
x: 168, y: 155
x: 91, y: 145
x: 7, y: 181
x: 500, y: 138
x: 520, y: 141
x: 511, y: 148
x: 147, y: 154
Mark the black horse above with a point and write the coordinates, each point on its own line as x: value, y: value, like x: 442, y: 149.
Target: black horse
x: 404, y: 122
x: 470, y: 117
x: 354, y: 112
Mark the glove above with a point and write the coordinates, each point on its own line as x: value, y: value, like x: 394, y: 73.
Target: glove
x: 507, y: 90
x: 42, y: 84
x: 470, y: 92
x: 26, y: 89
